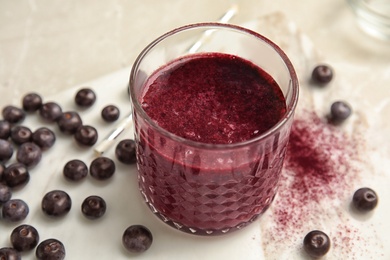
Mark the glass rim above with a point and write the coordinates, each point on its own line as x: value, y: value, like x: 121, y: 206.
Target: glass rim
x: 215, y: 25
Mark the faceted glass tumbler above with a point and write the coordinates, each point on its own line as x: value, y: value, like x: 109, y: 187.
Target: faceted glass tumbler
x: 210, y: 189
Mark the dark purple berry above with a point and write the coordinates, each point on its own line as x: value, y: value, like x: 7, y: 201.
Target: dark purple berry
x: 137, y: 239
x: 20, y: 134
x: 29, y: 154
x: 93, y: 207
x: 125, y: 151
x: 69, y: 122
x: 5, y: 194
x: 9, y: 253
x: 24, y: 238
x: 15, y: 210
x: 339, y: 111
x: 16, y: 175
x: 50, y: 111
x: 50, y: 249
x: 316, y: 243
x: 44, y: 138
x: 322, y: 74
x: 75, y: 170
x: 5, y: 129
x: 13, y: 114
x: 110, y: 113
x: 56, y: 203
x: 86, y: 135
x: 365, y: 199
x: 102, y: 168
x: 31, y: 102
x: 85, y: 97
x: 2, y: 169
x: 6, y: 150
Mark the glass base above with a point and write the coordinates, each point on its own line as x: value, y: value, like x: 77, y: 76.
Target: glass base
x: 208, y: 232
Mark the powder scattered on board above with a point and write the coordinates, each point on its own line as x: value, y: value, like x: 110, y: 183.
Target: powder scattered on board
x: 318, y: 177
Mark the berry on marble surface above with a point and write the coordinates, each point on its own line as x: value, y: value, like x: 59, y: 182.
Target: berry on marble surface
x: 365, y: 199
x: 20, y: 134
x: 50, y: 249
x: 50, y: 111
x: 340, y: 111
x: 6, y: 150
x: 69, y: 122
x: 322, y: 74
x: 110, y: 113
x: 137, y: 238
x: 29, y: 154
x: 31, y: 102
x: 75, y: 170
x: 9, y: 253
x: 5, y: 129
x: 24, y: 238
x: 125, y: 151
x: 16, y: 175
x: 44, y: 138
x: 5, y: 193
x: 13, y: 114
x: 15, y: 210
x: 316, y: 243
x: 93, y: 207
x: 56, y: 203
x: 86, y: 135
x: 102, y: 168
x: 85, y: 97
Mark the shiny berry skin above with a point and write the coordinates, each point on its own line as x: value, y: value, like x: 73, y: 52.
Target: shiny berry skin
x: 24, y: 238
x: 9, y: 253
x: 85, y: 97
x: 93, y: 207
x: 322, y: 74
x: 5, y: 129
x: 29, y: 154
x: 44, y: 138
x: 102, y: 168
x: 31, y: 102
x: 2, y: 169
x: 50, y: 111
x: 125, y: 151
x: 13, y: 114
x: 316, y: 243
x: 20, y: 134
x: 365, y: 199
x: 6, y: 150
x: 137, y: 239
x: 50, y: 249
x: 75, y: 170
x: 56, y: 203
x: 86, y: 135
x: 5, y: 194
x: 340, y: 111
x: 16, y: 175
x: 15, y: 210
x: 69, y: 122
x: 110, y: 113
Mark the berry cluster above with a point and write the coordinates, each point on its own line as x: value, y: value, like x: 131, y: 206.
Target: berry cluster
x: 29, y: 146
x: 316, y: 243
x: 339, y: 110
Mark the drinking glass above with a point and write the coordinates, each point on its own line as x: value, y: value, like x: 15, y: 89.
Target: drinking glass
x: 202, y: 188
